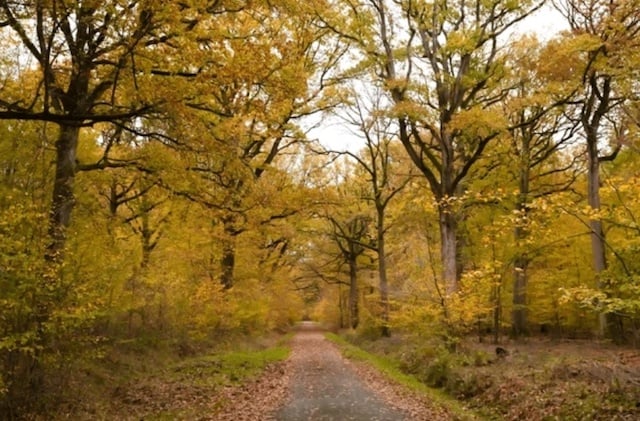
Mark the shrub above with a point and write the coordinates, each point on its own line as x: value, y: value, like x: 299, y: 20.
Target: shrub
x: 465, y: 385
x: 439, y: 370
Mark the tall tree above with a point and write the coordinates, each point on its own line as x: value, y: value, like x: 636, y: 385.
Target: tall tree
x: 381, y: 171
x: 538, y: 134
x: 84, y: 55
x: 441, y: 64
x: 606, y: 34
x: 77, y: 64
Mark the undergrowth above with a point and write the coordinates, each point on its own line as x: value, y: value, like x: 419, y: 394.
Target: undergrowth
x: 157, y: 383
x: 537, y: 380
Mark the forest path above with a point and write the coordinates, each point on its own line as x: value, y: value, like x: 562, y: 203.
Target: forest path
x: 316, y: 383
x: 324, y: 386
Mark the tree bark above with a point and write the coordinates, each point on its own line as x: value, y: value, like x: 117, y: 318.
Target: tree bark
x: 595, y: 223
x: 593, y: 186
x: 382, y: 274
x: 519, y: 316
x: 341, y: 307
x: 228, y: 262
x: 353, y: 294
x: 449, y: 249
x: 62, y: 203
x: 63, y: 199
x: 596, y: 105
x: 228, y: 259
x: 497, y: 312
x: 519, y: 320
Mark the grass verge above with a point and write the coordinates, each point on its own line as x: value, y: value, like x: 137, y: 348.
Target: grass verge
x: 229, y: 368
x: 391, y: 370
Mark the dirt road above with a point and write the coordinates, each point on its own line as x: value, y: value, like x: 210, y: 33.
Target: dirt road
x: 317, y: 383
x: 323, y: 386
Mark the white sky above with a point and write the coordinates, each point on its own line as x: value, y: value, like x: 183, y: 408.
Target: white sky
x: 546, y: 22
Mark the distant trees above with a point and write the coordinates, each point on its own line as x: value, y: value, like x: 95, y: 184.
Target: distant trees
x: 380, y: 169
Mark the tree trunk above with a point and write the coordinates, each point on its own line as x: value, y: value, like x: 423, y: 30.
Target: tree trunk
x: 519, y: 320
x: 340, y: 307
x: 382, y: 274
x: 595, y: 223
x: 60, y: 210
x: 228, y: 261
x: 147, y: 241
x: 497, y: 312
x: 449, y: 249
x: 353, y: 294
x: 597, y: 234
x: 63, y: 198
x: 520, y: 277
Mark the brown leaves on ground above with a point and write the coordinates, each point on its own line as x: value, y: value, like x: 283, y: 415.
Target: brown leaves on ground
x: 568, y: 380
x: 412, y: 403
x: 182, y: 400
x: 256, y: 400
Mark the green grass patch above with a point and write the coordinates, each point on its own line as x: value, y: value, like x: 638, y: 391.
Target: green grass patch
x: 391, y: 369
x: 228, y: 368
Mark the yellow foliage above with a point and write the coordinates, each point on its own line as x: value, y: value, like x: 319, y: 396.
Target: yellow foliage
x: 477, y: 122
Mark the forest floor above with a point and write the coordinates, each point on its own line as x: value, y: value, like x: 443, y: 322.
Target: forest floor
x: 567, y: 379
x: 535, y: 380
x: 315, y: 382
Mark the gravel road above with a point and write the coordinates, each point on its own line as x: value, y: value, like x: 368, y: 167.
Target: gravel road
x: 323, y: 386
x: 317, y: 384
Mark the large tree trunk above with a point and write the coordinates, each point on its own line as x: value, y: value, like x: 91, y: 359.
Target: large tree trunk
x: 521, y: 262
x: 382, y: 274
x: 593, y: 186
x: 449, y: 249
x: 448, y: 219
x: 353, y: 294
x: 63, y: 198
x: 49, y: 293
x: 595, y: 223
x: 62, y: 204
